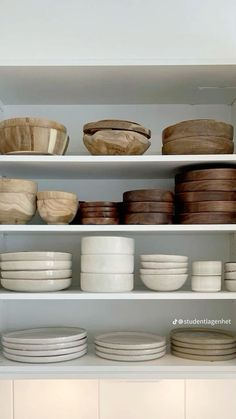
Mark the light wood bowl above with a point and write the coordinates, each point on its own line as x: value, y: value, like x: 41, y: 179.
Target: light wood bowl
x: 18, y: 186
x: 57, y: 207
x: 36, y: 135
x: 17, y: 208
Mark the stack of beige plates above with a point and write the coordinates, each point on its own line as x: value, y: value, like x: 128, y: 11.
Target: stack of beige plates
x: 164, y: 272
x: 130, y: 346
x: 36, y: 271
x: 203, y: 344
x: 44, y: 345
x: 230, y: 276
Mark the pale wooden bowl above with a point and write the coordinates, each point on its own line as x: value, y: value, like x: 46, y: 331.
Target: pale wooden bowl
x: 17, y: 208
x: 56, y: 207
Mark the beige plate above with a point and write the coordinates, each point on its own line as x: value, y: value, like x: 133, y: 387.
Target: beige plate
x: 204, y: 357
x: 202, y: 345
x: 203, y: 335
x: 203, y: 352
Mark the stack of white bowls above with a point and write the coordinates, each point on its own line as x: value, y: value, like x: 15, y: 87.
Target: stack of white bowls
x: 107, y: 264
x: 130, y: 346
x: 44, y: 345
x: 36, y: 271
x: 230, y: 276
x: 164, y: 272
x: 206, y: 275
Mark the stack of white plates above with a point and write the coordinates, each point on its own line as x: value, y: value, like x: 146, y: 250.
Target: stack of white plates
x: 130, y: 346
x: 206, y: 275
x: 164, y: 272
x: 107, y: 264
x: 230, y: 276
x: 36, y: 271
x: 44, y: 345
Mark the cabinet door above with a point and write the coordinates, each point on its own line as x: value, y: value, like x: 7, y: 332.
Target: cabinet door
x: 137, y: 400
x: 211, y: 399
x: 6, y: 402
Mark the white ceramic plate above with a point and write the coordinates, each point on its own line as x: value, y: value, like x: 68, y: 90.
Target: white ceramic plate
x: 52, y: 352
x: 130, y: 352
x: 119, y: 264
x: 53, y: 274
x: 45, y: 335
x: 44, y: 359
x: 17, y: 256
x: 44, y: 285
x: 230, y: 285
x: 45, y: 347
x: 206, y: 267
x: 130, y: 340
x: 164, y: 283
x: 106, y: 282
x: 107, y: 245
x: 164, y: 265
x: 163, y: 258
x: 209, y: 283
x: 163, y: 271
x: 131, y: 358
x: 35, y: 264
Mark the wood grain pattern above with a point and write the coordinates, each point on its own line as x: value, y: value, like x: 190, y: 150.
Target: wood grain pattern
x: 148, y: 218
x: 206, y: 218
x: 199, y: 145
x: 208, y: 206
x: 115, y: 124
x: 98, y: 204
x: 99, y: 214
x: 205, y: 196
x: 148, y: 195
x: 206, y: 174
x: 149, y: 207
x: 17, y: 208
x: 18, y: 185
x: 57, y: 195
x: 100, y: 220
x: 57, y: 211
x: 206, y: 185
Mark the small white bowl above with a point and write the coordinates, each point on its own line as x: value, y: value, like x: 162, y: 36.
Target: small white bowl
x: 207, y: 267
x: 106, y: 282
x: 230, y: 285
x: 36, y: 264
x: 164, y: 282
x: 97, y: 245
x: 164, y: 271
x: 230, y: 275
x: 27, y: 285
x: 163, y: 258
x: 201, y: 283
x: 56, y: 274
x: 230, y: 267
x: 17, y: 256
x: 118, y: 264
x: 164, y: 265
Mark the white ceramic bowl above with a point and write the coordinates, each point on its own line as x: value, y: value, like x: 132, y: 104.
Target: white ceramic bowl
x: 163, y: 258
x: 17, y: 256
x: 163, y: 271
x: 207, y: 267
x: 230, y: 275
x: 164, y: 265
x: 201, y: 283
x: 107, y: 245
x: 56, y: 274
x: 164, y: 282
x: 230, y: 285
x: 27, y: 285
x: 106, y: 282
x: 35, y: 264
x: 117, y: 264
x: 230, y: 267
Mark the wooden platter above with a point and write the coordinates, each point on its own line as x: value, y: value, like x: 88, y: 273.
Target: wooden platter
x: 206, y: 218
x: 148, y: 218
x: 148, y: 195
x: 206, y: 185
x: 208, y: 206
x: 116, y: 124
x: 206, y: 174
x: 203, y: 335
x: 199, y: 145
x: 205, y: 196
x: 149, y: 207
x: 100, y: 220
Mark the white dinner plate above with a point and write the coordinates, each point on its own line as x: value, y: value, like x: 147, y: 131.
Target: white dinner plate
x: 36, y: 264
x: 130, y: 352
x: 54, y: 352
x: 53, y: 274
x: 131, y: 358
x: 130, y: 340
x: 163, y: 258
x: 45, y: 335
x: 44, y: 359
x: 17, y: 256
x: 45, y: 347
x: 28, y: 285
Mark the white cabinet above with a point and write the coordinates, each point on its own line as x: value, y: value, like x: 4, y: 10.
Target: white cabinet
x: 6, y: 399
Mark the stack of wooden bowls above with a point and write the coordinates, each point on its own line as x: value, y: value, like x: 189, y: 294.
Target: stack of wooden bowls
x: 101, y: 212
x: 199, y: 136
x: 148, y: 206
x: 116, y: 137
x: 206, y: 196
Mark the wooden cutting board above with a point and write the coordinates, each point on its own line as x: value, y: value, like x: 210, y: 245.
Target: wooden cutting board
x: 148, y: 218
x: 199, y: 145
x: 148, y: 195
x: 206, y: 218
x: 206, y: 174
x: 116, y: 124
x: 207, y: 206
x: 205, y: 196
x: 133, y: 207
x: 206, y: 185
x: 203, y: 335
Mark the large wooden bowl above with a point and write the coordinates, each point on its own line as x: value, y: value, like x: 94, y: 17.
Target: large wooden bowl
x: 17, y: 208
x: 56, y: 207
x: 199, y: 145
x: 32, y: 135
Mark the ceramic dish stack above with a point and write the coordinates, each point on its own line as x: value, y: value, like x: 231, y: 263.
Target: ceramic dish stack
x: 206, y: 196
x: 107, y: 264
x: 36, y: 271
x: 202, y: 344
x: 199, y: 136
x: 230, y: 276
x: 130, y: 346
x: 164, y: 272
x: 102, y: 212
x: 206, y: 276
x: 148, y: 206
x: 116, y: 137
x: 45, y: 345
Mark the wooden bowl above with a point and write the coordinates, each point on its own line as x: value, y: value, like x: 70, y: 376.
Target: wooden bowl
x: 18, y: 186
x: 100, y: 220
x: 116, y: 124
x: 148, y: 207
x: 207, y: 218
x: 208, y: 206
x: 206, y: 185
x: 148, y: 218
x: 205, y: 196
x: 206, y: 174
x: 199, y: 145
x: 56, y: 207
x: 57, y: 195
x: 148, y: 195
x: 37, y: 135
x: 116, y: 142
x: 17, y: 207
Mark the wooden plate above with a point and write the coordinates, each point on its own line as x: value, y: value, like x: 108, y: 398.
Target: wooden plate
x: 148, y: 195
x: 133, y: 207
x: 205, y: 196
x: 203, y: 345
x: 206, y: 174
x: 199, y: 145
x: 206, y: 185
x: 98, y: 214
x: 98, y: 204
x: 203, y: 335
x: 204, y: 357
x: 117, y: 124
x: 207, y: 206
x: 148, y: 218
x: 204, y: 351
x: 207, y: 218
x: 199, y: 127
x: 99, y: 220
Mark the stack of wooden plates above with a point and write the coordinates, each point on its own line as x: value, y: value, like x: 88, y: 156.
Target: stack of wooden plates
x: 230, y: 276
x: 206, y: 196
x: 130, y: 346
x: 202, y: 344
x: 199, y: 136
x: 102, y: 212
x: 148, y: 206
x: 44, y: 345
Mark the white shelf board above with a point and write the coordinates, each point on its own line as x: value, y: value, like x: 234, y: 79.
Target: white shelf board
x: 105, y: 167
x: 92, y: 367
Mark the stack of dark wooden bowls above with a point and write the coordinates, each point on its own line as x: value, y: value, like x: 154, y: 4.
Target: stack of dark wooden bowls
x: 206, y: 196
x: 102, y: 212
x: 148, y: 206
x: 199, y: 136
